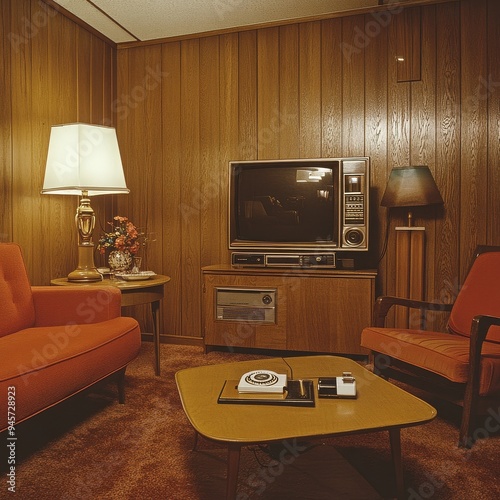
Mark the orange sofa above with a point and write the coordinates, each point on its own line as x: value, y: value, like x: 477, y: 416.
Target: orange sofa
x: 56, y: 341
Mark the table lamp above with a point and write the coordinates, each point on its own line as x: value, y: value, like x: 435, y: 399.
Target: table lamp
x: 411, y: 187
x: 84, y: 160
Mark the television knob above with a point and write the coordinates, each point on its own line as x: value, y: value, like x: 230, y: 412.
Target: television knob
x: 267, y: 299
x: 354, y: 237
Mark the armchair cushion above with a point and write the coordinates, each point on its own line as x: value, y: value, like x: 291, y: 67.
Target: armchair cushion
x: 478, y: 296
x: 442, y: 353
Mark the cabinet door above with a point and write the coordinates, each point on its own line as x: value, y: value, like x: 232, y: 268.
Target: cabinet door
x: 328, y: 314
x: 241, y: 332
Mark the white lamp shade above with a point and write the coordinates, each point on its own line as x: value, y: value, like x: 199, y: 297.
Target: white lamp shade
x: 83, y: 158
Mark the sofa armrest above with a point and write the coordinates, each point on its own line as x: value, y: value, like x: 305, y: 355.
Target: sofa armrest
x: 384, y: 303
x: 56, y: 305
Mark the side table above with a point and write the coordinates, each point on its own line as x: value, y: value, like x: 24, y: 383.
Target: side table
x: 134, y: 293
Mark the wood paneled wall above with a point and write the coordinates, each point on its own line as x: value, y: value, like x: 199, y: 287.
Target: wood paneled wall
x: 52, y: 72
x: 183, y: 109
x: 313, y: 89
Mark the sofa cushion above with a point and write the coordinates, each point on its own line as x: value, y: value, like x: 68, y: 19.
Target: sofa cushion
x: 441, y: 353
x: 52, y: 363
x: 18, y: 311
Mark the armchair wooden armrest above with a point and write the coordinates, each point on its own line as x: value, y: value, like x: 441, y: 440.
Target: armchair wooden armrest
x: 479, y: 329
x: 384, y: 303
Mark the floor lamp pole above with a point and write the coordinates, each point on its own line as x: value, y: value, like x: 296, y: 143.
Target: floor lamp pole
x: 410, y: 265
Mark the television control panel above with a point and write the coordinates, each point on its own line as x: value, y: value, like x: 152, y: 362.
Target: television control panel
x: 354, y: 209
x: 354, y: 214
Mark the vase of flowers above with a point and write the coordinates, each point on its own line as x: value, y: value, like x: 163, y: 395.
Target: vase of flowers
x: 123, y: 241
x: 119, y: 261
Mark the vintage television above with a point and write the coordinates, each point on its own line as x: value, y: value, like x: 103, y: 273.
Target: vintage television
x: 304, y: 212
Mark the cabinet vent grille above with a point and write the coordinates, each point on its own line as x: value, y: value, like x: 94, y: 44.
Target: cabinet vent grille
x: 243, y: 313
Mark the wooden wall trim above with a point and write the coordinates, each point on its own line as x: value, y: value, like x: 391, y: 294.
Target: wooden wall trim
x: 393, y: 6
x: 80, y: 22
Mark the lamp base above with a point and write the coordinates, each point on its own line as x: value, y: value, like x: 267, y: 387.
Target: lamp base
x: 86, y: 270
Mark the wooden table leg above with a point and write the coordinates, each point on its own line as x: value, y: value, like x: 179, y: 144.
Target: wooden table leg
x: 233, y: 465
x: 155, y: 307
x: 395, y: 439
x: 195, y: 444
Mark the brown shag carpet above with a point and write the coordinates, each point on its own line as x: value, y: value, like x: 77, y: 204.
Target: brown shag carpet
x: 91, y: 447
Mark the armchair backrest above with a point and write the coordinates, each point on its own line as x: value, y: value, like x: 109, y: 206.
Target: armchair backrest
x: 480, y: 294
x: 18, y: 310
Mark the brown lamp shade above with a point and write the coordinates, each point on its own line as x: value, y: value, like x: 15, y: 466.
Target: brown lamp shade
x: 411, y: 187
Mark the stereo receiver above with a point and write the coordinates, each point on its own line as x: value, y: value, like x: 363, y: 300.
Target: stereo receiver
x: 245, y: 304
x: 323, y: 260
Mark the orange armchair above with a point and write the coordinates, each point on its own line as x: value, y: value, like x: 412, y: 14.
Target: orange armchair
x: 57, y: 341
x: 461, y: 365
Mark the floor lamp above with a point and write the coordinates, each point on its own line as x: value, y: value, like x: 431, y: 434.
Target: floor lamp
x: 410, y: 187
x: 84, y: 160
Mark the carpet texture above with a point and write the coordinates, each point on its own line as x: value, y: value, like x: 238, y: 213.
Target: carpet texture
x: 92, y: 447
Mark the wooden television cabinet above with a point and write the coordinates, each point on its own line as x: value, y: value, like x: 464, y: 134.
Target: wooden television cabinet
x: 315, y: 310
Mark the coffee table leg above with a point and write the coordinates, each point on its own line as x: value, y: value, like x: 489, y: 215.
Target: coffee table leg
x: 395, y: 438
x: 233, y: 465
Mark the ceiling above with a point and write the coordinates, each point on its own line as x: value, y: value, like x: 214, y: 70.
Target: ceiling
x: 141, y: 20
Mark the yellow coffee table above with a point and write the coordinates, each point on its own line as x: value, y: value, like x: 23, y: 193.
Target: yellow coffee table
x: 380, y: 405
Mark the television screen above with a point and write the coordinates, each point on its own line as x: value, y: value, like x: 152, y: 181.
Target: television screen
x: 286, y: 202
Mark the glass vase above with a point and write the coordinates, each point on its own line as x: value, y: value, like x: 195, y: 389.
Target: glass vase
x: 136, y: 268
